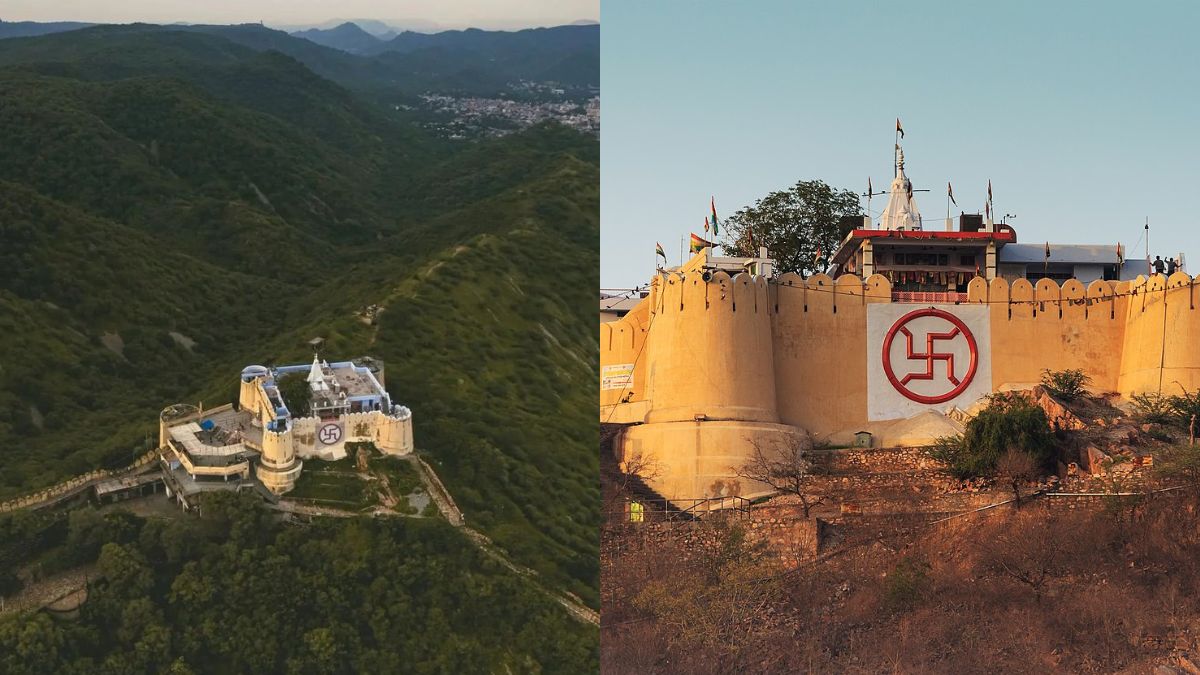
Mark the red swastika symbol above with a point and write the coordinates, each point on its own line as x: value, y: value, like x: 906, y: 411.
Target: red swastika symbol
x: 955, y: 385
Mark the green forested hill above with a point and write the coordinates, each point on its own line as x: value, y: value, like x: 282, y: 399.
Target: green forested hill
x: 174, y: 206
x: 464, y: 62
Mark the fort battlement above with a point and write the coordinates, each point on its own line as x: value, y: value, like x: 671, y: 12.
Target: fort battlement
x: 713, y: 366
x: 346, y: 403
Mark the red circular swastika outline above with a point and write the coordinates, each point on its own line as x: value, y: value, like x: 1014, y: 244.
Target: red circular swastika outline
x: 330, y: 434
x: 959, y: 328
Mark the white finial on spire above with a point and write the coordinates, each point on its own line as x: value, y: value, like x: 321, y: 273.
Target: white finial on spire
x: 901, y: 212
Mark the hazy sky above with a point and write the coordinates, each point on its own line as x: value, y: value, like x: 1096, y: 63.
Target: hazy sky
x: 1085, y: 115
x: 445, y: 13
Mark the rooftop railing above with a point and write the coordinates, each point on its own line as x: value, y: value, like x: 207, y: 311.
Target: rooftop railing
x: 928, y: 296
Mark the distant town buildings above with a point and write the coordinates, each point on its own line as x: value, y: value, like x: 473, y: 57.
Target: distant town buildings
x: 462, y: 117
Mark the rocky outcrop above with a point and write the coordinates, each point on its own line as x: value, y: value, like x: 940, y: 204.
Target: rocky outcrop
x: 1060, y: 418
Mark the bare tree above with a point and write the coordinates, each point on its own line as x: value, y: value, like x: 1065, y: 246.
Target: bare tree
x: 621, y: 480
x: 1029, y: 550
x: 1017, y: 468
x: 788, y: 468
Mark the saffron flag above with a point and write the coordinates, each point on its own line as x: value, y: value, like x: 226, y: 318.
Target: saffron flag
x: 699, y: 243
x: 659, y: 250
x: 1120, y: 254
x: 706, y: 225
x: 989, y: 190
x: 950, y: 193
x: 817, y: 257
x: 899, y: 129
x: 1047, y: 250
x: 714, y: 214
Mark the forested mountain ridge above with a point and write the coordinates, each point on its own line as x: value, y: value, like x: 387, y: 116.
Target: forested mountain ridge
x: 467, y: 62
x: 174, y: 206
x: 348, y: 37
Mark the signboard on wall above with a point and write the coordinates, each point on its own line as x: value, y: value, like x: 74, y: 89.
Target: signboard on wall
x: 922, y: 358
x: 616, y: 376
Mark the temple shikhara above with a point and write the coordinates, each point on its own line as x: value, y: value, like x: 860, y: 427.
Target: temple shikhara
x: 913, y: 322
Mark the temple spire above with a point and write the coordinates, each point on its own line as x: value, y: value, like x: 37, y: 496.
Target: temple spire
x: 316, y: 378
x: 901, y: 212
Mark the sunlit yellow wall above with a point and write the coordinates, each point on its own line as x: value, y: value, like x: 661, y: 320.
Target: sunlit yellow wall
x: 1163, y: 336
x: 729, y: 362
x: 713, y: 356
x: 1051, y: 328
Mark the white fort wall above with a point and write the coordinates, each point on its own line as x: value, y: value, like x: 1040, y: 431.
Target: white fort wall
x: 326, y: 438
x: 278, y: 467
x: 313, y: 437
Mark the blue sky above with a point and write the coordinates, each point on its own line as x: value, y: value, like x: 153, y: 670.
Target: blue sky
x: 1085, y: 116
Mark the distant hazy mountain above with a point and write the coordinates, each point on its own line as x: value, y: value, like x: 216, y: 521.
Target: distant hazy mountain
x: 376, y: 27
x: 10, y: 29
x: 348, y: 37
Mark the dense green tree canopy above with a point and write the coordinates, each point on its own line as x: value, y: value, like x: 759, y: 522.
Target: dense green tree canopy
x: 794, y: 224
x: 247, y: 594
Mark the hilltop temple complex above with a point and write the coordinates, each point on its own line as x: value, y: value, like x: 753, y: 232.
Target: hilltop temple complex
x: 909, y: 328
x: 260, y: 442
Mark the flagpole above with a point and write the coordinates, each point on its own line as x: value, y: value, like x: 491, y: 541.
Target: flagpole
x: 1148, y: 266
x: 895, y: 165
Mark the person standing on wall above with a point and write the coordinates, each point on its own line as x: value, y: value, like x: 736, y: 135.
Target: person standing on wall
x: 1172, y: 265
x: 1159, y: 266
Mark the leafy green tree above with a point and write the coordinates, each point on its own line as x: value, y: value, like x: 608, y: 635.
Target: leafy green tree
x: 125, y: 570
x: 296, y: 393
x: 793, y: 224
x: 1010, y: 421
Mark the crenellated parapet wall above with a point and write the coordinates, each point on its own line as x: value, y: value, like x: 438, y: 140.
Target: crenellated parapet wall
x: 1162, y: 346
x: 713, y: 356
x: 793, y: 353
x: 394, y: 432
x: 622, y: 386
x: 278, y: 466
